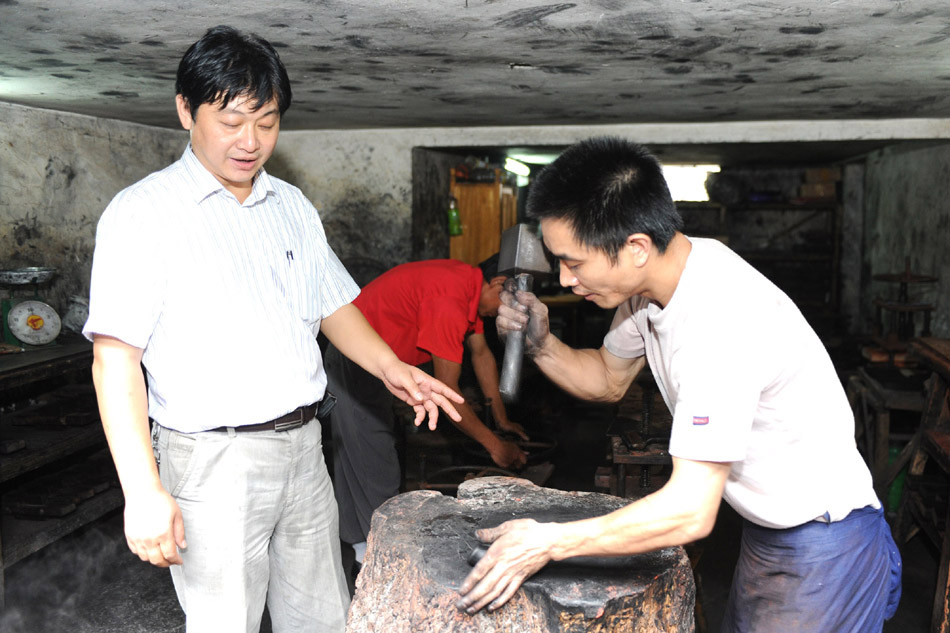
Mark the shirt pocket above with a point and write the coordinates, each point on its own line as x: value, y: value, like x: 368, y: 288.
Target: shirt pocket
x: 294, y: 276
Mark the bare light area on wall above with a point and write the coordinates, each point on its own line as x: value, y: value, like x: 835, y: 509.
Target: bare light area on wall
x: 687, y: 183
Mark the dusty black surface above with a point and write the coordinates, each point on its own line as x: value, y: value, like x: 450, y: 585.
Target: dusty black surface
x: 477, y: 63
x: 438, y: 532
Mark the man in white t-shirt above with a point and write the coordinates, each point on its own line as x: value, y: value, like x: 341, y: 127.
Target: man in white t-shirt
x: 759, y: 415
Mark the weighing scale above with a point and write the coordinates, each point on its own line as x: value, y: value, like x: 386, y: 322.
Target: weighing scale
x: 28, y: 321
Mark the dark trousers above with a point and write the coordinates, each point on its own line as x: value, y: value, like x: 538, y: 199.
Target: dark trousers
x: 366, y: 468
x: 841, y: 577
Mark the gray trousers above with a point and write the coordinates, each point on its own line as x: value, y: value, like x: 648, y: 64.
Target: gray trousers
x: 366, y: 468
x: 261, y: 524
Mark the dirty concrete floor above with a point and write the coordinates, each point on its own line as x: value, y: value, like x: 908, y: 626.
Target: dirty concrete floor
x: 89, y: 582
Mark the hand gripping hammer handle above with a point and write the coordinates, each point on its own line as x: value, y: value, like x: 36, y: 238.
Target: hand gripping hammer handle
x: 514, y: 351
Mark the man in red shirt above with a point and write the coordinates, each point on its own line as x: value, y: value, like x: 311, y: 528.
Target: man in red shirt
x: 424, y: 311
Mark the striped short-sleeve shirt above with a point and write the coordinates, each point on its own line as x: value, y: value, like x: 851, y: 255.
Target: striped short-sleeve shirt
x: 225, y: 298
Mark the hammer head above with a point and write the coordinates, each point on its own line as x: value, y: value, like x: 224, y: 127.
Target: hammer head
x: 522, y: 251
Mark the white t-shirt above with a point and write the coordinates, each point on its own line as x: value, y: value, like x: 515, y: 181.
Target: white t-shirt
x: 225, y: 298
x: 749, y: 382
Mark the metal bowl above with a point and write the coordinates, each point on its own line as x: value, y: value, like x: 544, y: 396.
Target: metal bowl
x: 29, y: 275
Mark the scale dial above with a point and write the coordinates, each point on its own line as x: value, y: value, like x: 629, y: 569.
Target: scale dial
x: 34, y: 322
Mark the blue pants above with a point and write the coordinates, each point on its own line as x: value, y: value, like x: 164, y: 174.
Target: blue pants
x: 841, y: 577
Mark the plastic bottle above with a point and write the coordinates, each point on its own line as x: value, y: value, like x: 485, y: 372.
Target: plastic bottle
x: 455, y: 222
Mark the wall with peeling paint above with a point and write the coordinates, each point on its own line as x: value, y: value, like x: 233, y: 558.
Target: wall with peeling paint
x: 360, y: 181
x: 362, y: 185
x: 907, y: 215
x: 58, y: 172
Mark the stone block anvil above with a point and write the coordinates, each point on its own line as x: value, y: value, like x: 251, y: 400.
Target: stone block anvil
x: 416, y: 561
x: 520, y: 258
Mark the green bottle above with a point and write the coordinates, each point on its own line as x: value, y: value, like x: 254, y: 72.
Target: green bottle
x: 455, y: 223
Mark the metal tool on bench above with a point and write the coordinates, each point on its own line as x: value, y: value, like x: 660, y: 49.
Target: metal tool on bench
x: 521, y: 257
x: 637, y: 443
x: 643, y: 442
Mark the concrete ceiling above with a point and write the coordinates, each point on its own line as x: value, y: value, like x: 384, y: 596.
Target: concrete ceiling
x: 461, y: 63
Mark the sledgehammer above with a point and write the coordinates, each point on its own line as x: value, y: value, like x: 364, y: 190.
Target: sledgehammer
x: 520, y: 257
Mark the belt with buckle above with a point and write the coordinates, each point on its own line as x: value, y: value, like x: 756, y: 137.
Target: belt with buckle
x: 295, y: 419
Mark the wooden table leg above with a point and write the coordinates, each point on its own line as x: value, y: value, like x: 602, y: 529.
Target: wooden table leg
x: 882, y: 435
x: 939, y: 620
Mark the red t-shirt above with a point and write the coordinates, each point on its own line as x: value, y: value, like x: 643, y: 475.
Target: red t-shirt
x: 425, y: 308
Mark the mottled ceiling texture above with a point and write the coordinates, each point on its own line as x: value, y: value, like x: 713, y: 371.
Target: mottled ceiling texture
x: 411, y: 63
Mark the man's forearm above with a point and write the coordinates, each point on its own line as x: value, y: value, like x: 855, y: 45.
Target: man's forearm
x: 351, y: 333
x: 475, y: 428
x: 123, y: 408
x: 448, y: 372
x: 681, y: 512
x: 647, y: 525
x: 486, y: 372
x: 583, y: 373
x: 154, y: 529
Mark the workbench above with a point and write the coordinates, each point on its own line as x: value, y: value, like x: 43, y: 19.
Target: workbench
x: 68, y: 456
x: 875, y: 394
x: 924, y: 507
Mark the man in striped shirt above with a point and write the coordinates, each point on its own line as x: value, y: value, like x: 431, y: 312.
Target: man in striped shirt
x: 217, y: 278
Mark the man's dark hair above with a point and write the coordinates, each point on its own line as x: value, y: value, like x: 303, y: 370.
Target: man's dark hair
x: 489, y: 268
x: 606, y: 189
x: 225, y: 64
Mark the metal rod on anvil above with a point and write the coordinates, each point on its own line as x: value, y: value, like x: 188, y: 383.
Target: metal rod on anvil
x: 520, y: 256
